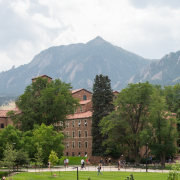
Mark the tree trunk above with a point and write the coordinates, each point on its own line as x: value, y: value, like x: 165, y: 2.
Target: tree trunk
x: 163, y: 160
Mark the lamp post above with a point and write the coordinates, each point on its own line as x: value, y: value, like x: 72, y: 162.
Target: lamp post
x: 77, y: 171
x: 13, y: 150
x: 146, y: 156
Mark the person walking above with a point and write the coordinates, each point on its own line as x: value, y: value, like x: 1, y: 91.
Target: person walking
x: 99, y: 169
x: 67, y: 162
x: 87, y: 162
x: 49, y: 164
x: 101, y: 161
x: 82, y: 163
x: 109, y: 161
x: 119, y: 164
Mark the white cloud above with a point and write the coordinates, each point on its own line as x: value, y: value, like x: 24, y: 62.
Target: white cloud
x: 30, y: 26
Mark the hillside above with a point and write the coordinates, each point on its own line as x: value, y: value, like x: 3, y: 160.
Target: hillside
x: 77, y: 64
x: 165, y: 71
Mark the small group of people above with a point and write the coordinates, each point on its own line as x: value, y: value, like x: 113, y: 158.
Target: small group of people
x: 66, y: 162
x: 121, y: 164
x: 106, y: 161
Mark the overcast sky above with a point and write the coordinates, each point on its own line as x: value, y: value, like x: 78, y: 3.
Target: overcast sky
x: 149, y: 28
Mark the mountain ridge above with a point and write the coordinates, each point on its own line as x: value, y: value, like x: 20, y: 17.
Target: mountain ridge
x: 77, y: 64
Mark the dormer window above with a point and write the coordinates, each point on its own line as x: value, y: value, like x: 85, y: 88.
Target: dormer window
x: 81, y: 109
x: 84, y: 97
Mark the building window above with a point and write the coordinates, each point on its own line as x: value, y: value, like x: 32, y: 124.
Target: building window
x: 79, y: 144
x: 67, y: 134
x: 67, y: 144
x: 66, y: 153
x: 75, y: 110
x: 61, y: 124
x: 67, y: 123
x: 79, y: 133
x: 85, y: 133
x: 73, y: 154
x: 84, y: 97
x: 72, y: 123
x: 86, y: 144
x: 85, y: 122
x: 79, y: 154
x: 73, y: 134
x: 79, y: 123
x: 73, y: 144
x: 81, y: 109
x: 85, y: 154
x: 2, y: 126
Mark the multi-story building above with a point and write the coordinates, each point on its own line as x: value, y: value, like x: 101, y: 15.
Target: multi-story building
x: 78, y: 126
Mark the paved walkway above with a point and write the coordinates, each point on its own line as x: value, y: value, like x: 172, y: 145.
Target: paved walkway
x: 94, y: 168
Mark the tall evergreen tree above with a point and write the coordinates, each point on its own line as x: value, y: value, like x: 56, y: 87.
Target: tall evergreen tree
x: 102, y: 105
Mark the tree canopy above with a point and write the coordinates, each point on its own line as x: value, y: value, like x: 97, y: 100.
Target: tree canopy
x: 44, y: 102
x: 124, y: 125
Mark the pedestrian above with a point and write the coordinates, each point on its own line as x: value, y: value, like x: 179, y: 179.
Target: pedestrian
x: 89, y: 161
x: 67, y: 162
x: 106, y: 160
x: 86, y: 161
x: 101, y: 161
x: 99, y: 169
x: 82, y: 163
x: 109, y: 161
x: 118, y: 164
x: 49, y: 164
x: 150, y: 158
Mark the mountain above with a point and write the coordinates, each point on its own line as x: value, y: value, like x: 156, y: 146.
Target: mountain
x: 77, y: 64
x: 165, y: 71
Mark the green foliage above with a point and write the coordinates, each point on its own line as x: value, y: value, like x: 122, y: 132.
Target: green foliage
x: 22, y: 158
x: 161, y: 132
x: 47, y: 138
x: 10, y: 135
x: 10, y: 156
x: 44, y: 102
x: 174, y: 174
x: 53, y: 158
x: 2, y: 173
x: 75, y: 160
x: 39, y: 155
x: 102, y: 105
x: 125, y: 124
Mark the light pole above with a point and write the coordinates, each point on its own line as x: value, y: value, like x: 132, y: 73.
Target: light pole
x: 146, y: 156
x: 77, y: 171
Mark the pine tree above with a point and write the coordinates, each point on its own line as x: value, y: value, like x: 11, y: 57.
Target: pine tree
x: 102, y: 105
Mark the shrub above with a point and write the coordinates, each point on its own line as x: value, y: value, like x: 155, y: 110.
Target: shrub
x: 2, y: 173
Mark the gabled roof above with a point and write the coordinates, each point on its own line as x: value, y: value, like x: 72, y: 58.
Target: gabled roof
x: 3, y: 112
x: 42, y: 77
x: 77, y: 90
x: 80, y: 115
x: 85, y: 101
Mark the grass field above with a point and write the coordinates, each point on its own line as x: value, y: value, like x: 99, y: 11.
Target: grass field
x: 92, y: 175
x: 76, y: 160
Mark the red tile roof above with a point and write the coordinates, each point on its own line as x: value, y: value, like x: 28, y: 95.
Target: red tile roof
x: 77, y: 90
x: 85, y: 101
x: 80, y: 115
x: 41, y: 76
x: 3, y: 113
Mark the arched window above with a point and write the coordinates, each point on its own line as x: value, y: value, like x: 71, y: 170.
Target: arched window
x: 84, y: 97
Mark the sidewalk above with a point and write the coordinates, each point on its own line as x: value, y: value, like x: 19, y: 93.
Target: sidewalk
x: 94, y: 168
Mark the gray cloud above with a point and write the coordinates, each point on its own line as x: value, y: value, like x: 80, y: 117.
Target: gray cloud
x: 158, y: 3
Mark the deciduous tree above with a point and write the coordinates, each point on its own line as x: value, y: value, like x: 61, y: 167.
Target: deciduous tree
x: 44, y: 102
x: 125, y: 124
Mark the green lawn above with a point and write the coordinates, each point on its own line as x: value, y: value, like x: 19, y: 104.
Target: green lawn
x: 93, y: 175
x: 76, y: 160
